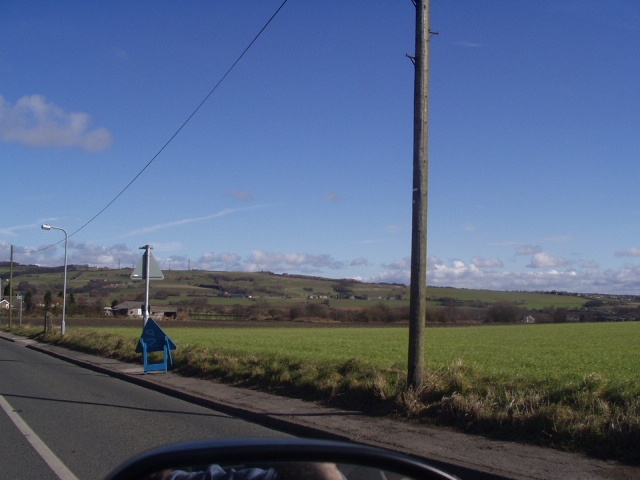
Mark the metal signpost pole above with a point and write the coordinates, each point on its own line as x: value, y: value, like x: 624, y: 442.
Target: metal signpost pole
x: 146, y: 277
x: 147, y: 269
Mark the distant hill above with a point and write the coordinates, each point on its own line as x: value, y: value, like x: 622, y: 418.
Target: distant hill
x: 185, y: 285
x: 228, y: 288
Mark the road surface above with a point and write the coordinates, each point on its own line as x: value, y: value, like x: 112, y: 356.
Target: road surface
x: 58, y: 420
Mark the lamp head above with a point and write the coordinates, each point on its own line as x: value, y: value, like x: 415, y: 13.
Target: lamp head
x: 46, y: 227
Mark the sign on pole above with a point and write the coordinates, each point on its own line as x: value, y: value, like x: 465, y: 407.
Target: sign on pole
x: 140, y: 272
x: 147, y: 269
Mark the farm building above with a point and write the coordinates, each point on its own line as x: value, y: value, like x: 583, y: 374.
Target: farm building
x: 4, y: 304
x: 135, y: 309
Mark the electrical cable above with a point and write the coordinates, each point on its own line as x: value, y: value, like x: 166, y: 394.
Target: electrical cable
x: 255, y: 38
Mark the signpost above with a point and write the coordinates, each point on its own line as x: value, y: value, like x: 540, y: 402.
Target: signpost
x: 147, y: 269
x: 153, y: 338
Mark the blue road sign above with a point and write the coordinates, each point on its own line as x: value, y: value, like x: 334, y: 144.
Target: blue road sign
x: 155, y: 338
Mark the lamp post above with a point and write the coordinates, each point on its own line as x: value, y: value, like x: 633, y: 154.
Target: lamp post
x: 64, y: 287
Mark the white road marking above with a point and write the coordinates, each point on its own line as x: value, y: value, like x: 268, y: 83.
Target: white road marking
x: 59, y: 468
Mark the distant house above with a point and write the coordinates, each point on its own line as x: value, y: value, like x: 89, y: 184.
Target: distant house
x: 128, y: 309
x: 4, y: 304
x: 529, y: 319
x: 136, y: 309
x: 234, y: 295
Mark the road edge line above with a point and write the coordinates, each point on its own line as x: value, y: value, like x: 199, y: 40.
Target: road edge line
x: 50, y: 458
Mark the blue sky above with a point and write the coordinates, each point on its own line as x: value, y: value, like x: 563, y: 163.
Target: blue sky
x: 301, y: 160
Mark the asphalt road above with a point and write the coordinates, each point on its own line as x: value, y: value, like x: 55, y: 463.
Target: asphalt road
x: 89, y: 421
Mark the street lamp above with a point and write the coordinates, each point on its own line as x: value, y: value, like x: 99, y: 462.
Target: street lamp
x: 64, y: 287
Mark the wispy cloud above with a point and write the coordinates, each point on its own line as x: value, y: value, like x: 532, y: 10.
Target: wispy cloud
x: 186, y: 221
x: 629, y: 252
x: 358, y: 262
x: 119, y: 54
x: 528, y: 250
x: 467, y: 44
x: 558, y: 239
x: 332, y: 197
x: 35, y: 122
x: 505, y: 244
x: 12, y: 231
x: 242, y: 195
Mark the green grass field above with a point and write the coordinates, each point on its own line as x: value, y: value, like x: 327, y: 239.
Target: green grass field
x: 530, y: 300
x: 564, y: 352
x: 571, y: 386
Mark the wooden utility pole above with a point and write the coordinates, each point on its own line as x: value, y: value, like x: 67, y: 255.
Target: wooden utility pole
x: 418, y: 301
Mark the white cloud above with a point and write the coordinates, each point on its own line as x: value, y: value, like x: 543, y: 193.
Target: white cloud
x: 290, y: 262
x: 486, y: 262
x: 464, y: 274
x: 546, y: 260
x: 396, y: 272
x: 222, y: 261
x: 551, y: 273
x: 34, y: 122
x: 83, y: 254
x: 78, y: 254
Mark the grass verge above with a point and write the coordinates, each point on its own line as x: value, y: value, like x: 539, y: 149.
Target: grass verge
x: 592, y: 414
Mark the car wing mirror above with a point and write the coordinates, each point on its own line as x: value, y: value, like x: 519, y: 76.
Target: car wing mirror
x: 274, y: 459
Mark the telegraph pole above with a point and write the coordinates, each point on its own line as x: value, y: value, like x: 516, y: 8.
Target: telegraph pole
x: 418, y: 289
